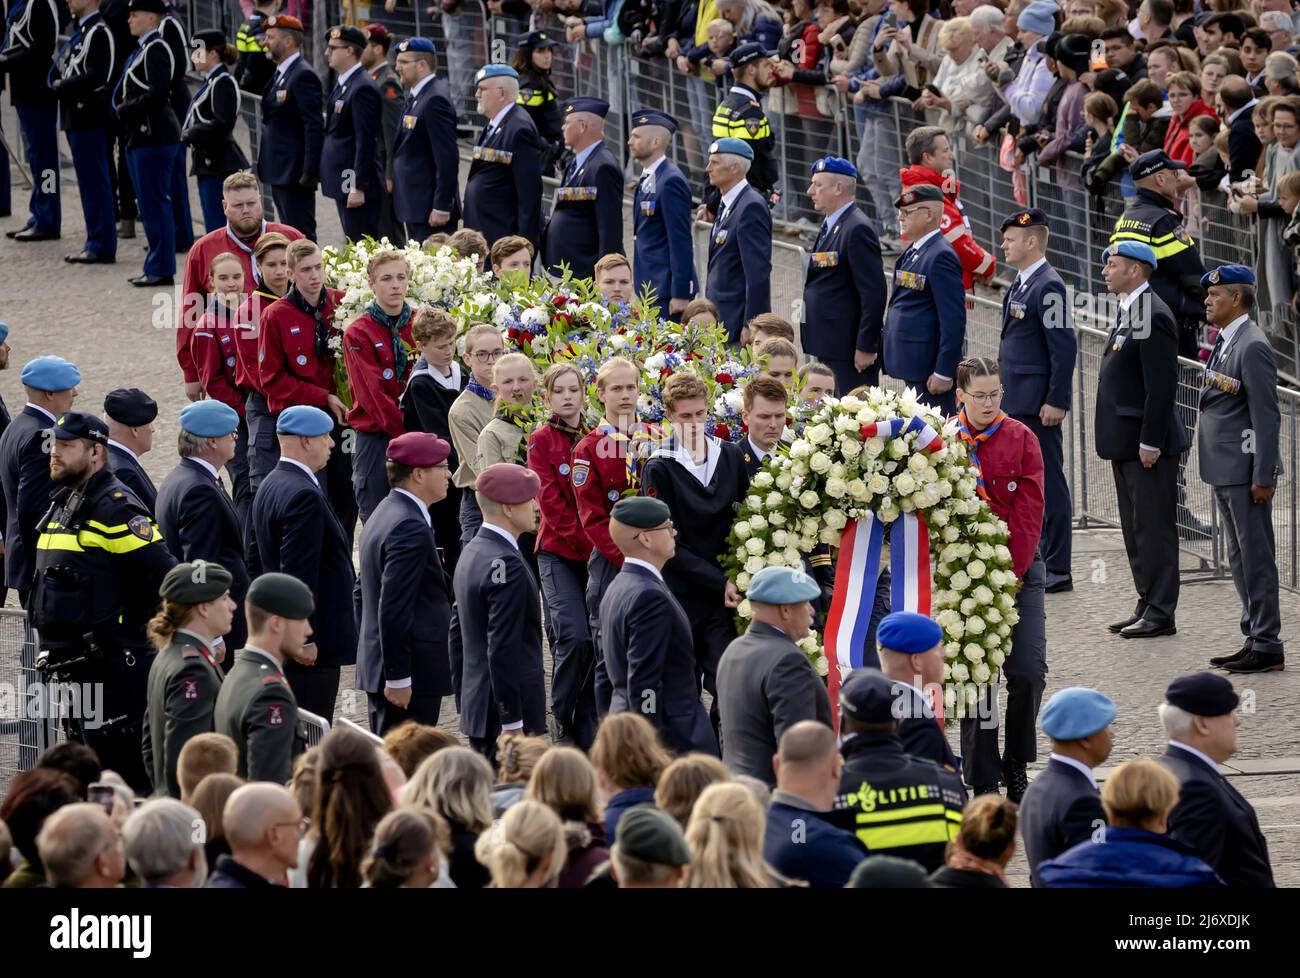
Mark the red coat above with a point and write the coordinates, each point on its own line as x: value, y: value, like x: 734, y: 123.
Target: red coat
x: 372, y: 375
x: 247, y: 328
x: 212, y: 348
x: 599, y: 480
x: 1178, y: 137
x: 194, y: 302
x: 288, y: 366
x: 976, y: 263
x: 1011, y: 463
x: 550, y: 455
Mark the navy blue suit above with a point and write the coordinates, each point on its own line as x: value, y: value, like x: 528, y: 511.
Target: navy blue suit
x: 86, y: 68
x: 1036, y: 359
x: 289, y: 152
x: 405, y: 614
x: 1217, y: 823
x: 920, y: 732
x: 296, y: 532
x: 25, y: 474
x: 646, y: 642
x: 349, y: 157
x: 587, y: 222
x: 925, y: 323
x: 131, y: 474
x: 30, y: 43
x: 503, y: 680
x: 198, y: 522
x: 663, y: 254
x: 173, y: 32
x: 426, y: 165
x: 844, y: 299
x: 740, y: 262
x: 503, y: 194
x: 1060, y: 809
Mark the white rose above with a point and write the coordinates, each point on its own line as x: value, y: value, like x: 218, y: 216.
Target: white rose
x: 998, y: 579
x: 743, y: 531
x: 829, y: 536
x: 877, y: 484
x: 774, y: 500
x: 950, y: 533
x: 793, y: 557
x: 820, y: 462
x: 538, y: 317
x: 1002, y: 553
x: 873, y: 447
x: 755, y: 546
x: 809, y: 526
x: 975, y: 624
x: 992, y: 640
x: 806, y: 543
x: 973, y: 652
x: 753, y: 502
x: 975, y: 569
x: 992, y: 616
x: 784, y: 480
x: 857, y: 489
x: 960, y: 672
x: 981, y: 673
x: 757, y: 523
x: 801, y: 449
x: 743, y: 579
x: 982, y: 595
x: 845, y: 422
x: 777, y: 519
x: 763, y: 480
x: 955, y: 629
x: 917, y: 464
x: 897, y: 448
x: 821, y: 665
x: 779, y: 538
x: 836, y: 488
x: 755, y: 564
x: 866, y: 416
x: 735, y: 399
x: 818, y: 434
x: 745, y: 610
x: 809, y: 499
x: 850, y: 447
x: 997, y: 657
x: 741, y: 553
x: 888, y: 512
x: 837, y: 471
x: 905, y: 484
x: 960, y: 581
x: 951, y: 650
x: 799, y: 468
x: 836, y: 519
x: 776, y: 559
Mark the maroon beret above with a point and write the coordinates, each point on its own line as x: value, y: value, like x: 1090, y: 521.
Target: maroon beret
x: 418, y: 450
x: 285, y: 22
x: 508, y: 483
x: 377, y: 31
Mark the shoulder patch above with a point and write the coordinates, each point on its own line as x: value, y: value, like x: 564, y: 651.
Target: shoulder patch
x: 1181, y: 234
x: 753, y: 126
x: 580, y: 472
x: 275, y: 714
x: 190, y: 688
x: 141, y: 526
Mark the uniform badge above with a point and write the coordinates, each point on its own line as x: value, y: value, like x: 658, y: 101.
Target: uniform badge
x: 564, y: 469
x: 1016, y: 310
x: 281, y: 95
x: 230, y: 361
x: 753, y: 126
x: 408, y: 122
x: 720, y: 238
x: 824, y: 259
x: 1011, y: 486
x: 612, y: 495
x: 388, y: 373
x: 1214, y: 277
x: 1181, y: 234
x: 648, y: 207
x: 302, y: 359
x: 190, y: 688
x: 141, y: 526
x: 275, y: 714
x: 580, y: 472
x: 338, y: 106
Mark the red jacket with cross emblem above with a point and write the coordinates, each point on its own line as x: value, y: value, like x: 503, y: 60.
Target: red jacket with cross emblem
x: 213, y: 349
x: 288, y: 367
x: 373, y: 375
x: 599, y: 480
x: 976, y: 263
x: 1011, y: 463
x: 550, y: 455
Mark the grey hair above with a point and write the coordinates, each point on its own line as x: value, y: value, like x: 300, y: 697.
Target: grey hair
x: 71, y: 840
x: 189, y: 444
x: 1279, y: 20
x: 735, y: 159
x: 160, y: 836
x: 457, y: 784
x: 630, y: 869
x: 986, y: 17
x: 1176, y: 720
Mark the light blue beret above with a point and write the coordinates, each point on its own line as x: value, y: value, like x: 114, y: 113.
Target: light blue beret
x: 494, y: 71
x: 1077, y: 712
x: 302, y: 419
x: 782, y: 585
x: 4, y: 332
x: 209, y: 419
x: 1135, y: 250
x: 51, y: 374
x: 730, y: 144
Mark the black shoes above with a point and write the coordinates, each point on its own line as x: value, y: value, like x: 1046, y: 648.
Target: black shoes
x: 1223, y: 660
x: 1148, y: 629
x: 88, y: 258
x: 149, y: 281
x: 31, y: 234
x: 1119, y: 626
x: 1253, y: 662
x: 1056, y: 583
x: 1016, y: 779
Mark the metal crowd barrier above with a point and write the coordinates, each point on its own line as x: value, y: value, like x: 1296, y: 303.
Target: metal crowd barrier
x: 26, y: 729
x: 314, y: 726
x: 789, y: 265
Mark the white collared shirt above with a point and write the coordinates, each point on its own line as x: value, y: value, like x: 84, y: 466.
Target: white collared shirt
x: 702, y: 471
x: 208, y: 465
x: 284, y: 65
x: 1077, y: 765
x: 762, y: 455
x: 652, y: 168
x: 419, y: 86
x: 1028, y: 273
x: 504, y: 533
x: 1245, y: 108
x: 1214, y: 766
x: 1128, y: 300
x: 343, y: 78
x: 638, y: 562
x: 499, y: 118
x: 580, y: 159
x: 449, y: 381
x: 834, y: 216
x: 1228, y: 332
x: 424, y: 510
x: 729, y: 198
x: 920, y: 242
x: 301, y: 465
x: 43, y: 411
x: 136, y: 458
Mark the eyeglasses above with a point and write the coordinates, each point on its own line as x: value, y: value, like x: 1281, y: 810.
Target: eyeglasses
x: 303, y: 824
x: 489, y: 356
x: 991, y: 398
x: 656, y: 529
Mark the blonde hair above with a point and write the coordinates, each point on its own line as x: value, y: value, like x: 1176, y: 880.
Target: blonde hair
x: 612, y: 364
x: 298, y: 250
x: 682, y: 781
x: 627, y: 751
x: 474, y: 332
x: 431, y: 324
x: 510, y: 361
x: 955, y: 31
x: 685, y: 385
x: 777, y: 348
x: 404, y: 839
x: 988, y: 826
x: 770, y: 323
x: 456, y: 783
x: 240, y: 180
x: 725, y: 835
x: 204, y: 754
x: 612, y: 260
x: 1138, y: 794
x: 520, y: 844
x: 517, y: 755
x: 224, y: 256
x: 383, y: 258
x: 565, y: 782
x: 697, y: 306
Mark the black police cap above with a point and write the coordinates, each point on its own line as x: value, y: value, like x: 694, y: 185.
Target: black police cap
x: 868, y: 696
x: 77, y: 424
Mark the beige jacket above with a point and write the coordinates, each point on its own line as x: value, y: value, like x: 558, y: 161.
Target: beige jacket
x: 919, y: 64
x: 468, y: 416
x: 499, y: 441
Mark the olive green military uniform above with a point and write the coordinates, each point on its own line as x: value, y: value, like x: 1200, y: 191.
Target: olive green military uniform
x: 256, y: 709
x: 183, y: 684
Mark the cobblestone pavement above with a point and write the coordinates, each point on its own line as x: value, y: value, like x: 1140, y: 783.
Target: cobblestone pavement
x: 122, y: 336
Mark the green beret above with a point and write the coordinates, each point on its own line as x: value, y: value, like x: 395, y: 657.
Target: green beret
x: 641, y: 512
x: 283, y: 595
x: 195, y: 583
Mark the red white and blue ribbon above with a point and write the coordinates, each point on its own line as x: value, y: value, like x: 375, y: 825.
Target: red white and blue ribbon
x: 927, y: 439
x: 856, y: 572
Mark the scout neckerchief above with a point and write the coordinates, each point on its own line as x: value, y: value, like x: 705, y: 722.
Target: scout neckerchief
x: 475, y: 387
x: 318, y: 315
x: 575, y: 432
x: 638, y: 443
x: 394, y: 324
x: 974, y: 439
x: 247, y: 248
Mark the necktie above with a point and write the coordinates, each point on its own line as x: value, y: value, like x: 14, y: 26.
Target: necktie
x: 822, y: 235
x: 408, y: 105
x: 569, y: 173
x: 1218, y: 349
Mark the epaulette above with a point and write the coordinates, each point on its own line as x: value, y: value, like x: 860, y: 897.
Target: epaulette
x: 274, y: 678
x: 190, y: 652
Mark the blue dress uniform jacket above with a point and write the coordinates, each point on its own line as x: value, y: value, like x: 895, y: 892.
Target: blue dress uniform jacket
x: 1037, y: 353
x: 293, y: 130
x: 844, y: 291
x: 173, y: 32
x: 740, y: 262
x: 663, y: 254
x: 503, y: 679
x: 198, y: 521
x: 143, y: 96
x: 86, y: 67
x: 350, y: 151
x: 1060, y: 809
x: 25, y: 475
x: 29, y: 47
x: 925, y: 323
x: 1217, y: 823
x: 405, y: 605
x: 209, y: 127
x: 646, y: 642
x: 131, y: 474
x: 296, y: 532
x: 426, y: 165
x: 587, y: 222
x: 920, y: 732
x: 503, y: 194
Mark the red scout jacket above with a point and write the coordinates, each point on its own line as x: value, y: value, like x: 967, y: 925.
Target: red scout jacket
x: 599, y: 480
x: 372, y: 375
x: 247, y: 329
x: 287, y: 364
x: 550, y: 455
x: 1012, y: 465
x: 212, y: 348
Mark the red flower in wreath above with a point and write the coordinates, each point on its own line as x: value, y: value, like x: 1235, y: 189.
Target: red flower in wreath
x: 722, y: 431
x: 725, y: 379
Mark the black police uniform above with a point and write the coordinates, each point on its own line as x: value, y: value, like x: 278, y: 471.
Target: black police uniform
x: 741, y: 115
x: 100, y: 561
